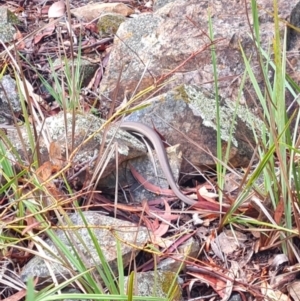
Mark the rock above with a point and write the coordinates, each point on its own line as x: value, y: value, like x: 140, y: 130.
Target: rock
x: 106, y: 230
x: 93, y: 11
x: 189, y: 249
x: 9, y: 100
x: 235, y: 297
x: 6, y: 16
x: 7, y: 22
x: 186, y: 116
x: 293, y: 61
x: 185, y: 108
x: 294, y: 289
x: 160, y: 3
x: 178, y: 33
x: 86, y: 127
x: 227, y: 242
x: 292, y: 34
x: 135, y: 35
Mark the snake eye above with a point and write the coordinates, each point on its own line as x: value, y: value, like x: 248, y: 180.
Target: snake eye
x: 242, y: 152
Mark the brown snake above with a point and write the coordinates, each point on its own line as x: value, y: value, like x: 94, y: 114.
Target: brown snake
x: 154, y: 138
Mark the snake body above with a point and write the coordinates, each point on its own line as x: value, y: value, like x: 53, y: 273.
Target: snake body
x: 154, y: 138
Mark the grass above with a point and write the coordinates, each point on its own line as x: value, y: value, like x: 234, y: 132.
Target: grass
x: 277, y: 149
x: 38, y: 200
x: 25, y: 217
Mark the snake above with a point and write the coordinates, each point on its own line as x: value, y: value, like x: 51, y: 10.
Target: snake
x: 153, y: 137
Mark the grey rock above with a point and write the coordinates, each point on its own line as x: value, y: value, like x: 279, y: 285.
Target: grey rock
x: 175, y: 38
x: 9, y: 100
x: 186, y: 116
x: 293, y: 34
x: 189, y: 249
x: 7, y: 32
x: 133, y: 35
x: 293, y: 288
x: 75, y: 235
x: 92, y: 11
x: 7, y: 22
x: 6, y: 16
x: 235, y: 297
x: 87, y: 138
x: 160, y: 3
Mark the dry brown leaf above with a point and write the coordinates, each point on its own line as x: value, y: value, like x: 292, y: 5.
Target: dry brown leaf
x: 55, y: 155
x: 45, y: 171
x: 19, y: 37
x: 217, y: 284
x: 294, y: 289
x: 163, y: 214
x: 57, y: 9
x: 48, y: 31
x: 17, y: 296
x: 209, y: 196
x: 149, y: 186
x: 232, y: 273
x: 279, y: 211
x: 164, y: 227
x: 35, y: 225
x: 271, y: 294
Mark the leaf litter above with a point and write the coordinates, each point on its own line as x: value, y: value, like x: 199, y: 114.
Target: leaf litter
x: 244, y: 257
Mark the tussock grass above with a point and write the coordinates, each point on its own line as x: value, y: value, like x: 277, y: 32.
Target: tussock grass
x: 277, y: 149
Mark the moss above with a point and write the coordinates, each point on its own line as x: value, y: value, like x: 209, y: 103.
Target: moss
x: 181, y: 94
x: 12, y: 18
x: 167, y: 281
x: 109, y: 23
